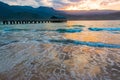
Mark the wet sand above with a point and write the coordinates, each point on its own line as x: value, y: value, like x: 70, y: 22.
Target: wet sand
x: 45, y: 61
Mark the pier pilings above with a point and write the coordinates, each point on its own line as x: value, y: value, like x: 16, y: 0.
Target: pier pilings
x: 7, y: 22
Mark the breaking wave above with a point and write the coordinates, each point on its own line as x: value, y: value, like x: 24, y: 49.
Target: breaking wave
x: 74, y: 30
x: 93, y: 44
x: 104, y: 29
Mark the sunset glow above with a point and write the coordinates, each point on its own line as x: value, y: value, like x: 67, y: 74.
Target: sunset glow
x: 69, y: 4
x: 88, y: 7
x: 93, y: 4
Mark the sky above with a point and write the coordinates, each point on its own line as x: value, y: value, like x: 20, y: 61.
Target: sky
x: 69, y: 4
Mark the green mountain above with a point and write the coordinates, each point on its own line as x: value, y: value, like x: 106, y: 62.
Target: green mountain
x: 42, y: 12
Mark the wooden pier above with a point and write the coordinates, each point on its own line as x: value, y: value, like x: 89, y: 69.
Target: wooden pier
x: 7, y: 22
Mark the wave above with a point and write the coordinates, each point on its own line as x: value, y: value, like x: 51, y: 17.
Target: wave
x: 104, y: 29
x: 18, y: 30
x: 78, y: 26
x: 92, y: 44
x: 10, y: 29
x: 73, y: 30
x: 5, y: 42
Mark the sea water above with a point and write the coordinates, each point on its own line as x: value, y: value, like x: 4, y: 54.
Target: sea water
x: 75, y: 50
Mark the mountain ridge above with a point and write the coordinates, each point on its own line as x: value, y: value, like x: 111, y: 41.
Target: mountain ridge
x: 44, y: 12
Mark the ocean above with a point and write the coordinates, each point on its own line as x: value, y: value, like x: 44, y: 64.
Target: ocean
x: 75, y: 50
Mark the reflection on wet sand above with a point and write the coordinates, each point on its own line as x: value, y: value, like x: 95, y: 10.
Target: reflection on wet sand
x: 94, y: 37
x: 38, y: 61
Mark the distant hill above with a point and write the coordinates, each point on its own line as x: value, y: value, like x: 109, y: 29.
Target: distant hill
x: 42, y: 12
x: 88, y: 12
x: 93, y: 15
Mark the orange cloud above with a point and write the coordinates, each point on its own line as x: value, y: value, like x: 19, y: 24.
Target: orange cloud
x: 92, y: 4
x: 69, y: 4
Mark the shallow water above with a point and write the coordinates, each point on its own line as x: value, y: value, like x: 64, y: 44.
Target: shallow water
x: 76, y: 50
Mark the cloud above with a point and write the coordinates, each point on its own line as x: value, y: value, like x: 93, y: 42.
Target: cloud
x: 76, y: 0
x: 22, y: 2
x: 110, y: 2
x: 92, y: 4
x: 64, y: 4
x: 45, y: 3
x: 59, y: 3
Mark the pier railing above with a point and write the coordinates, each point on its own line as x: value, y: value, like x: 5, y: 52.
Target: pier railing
x: 6, y: 22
